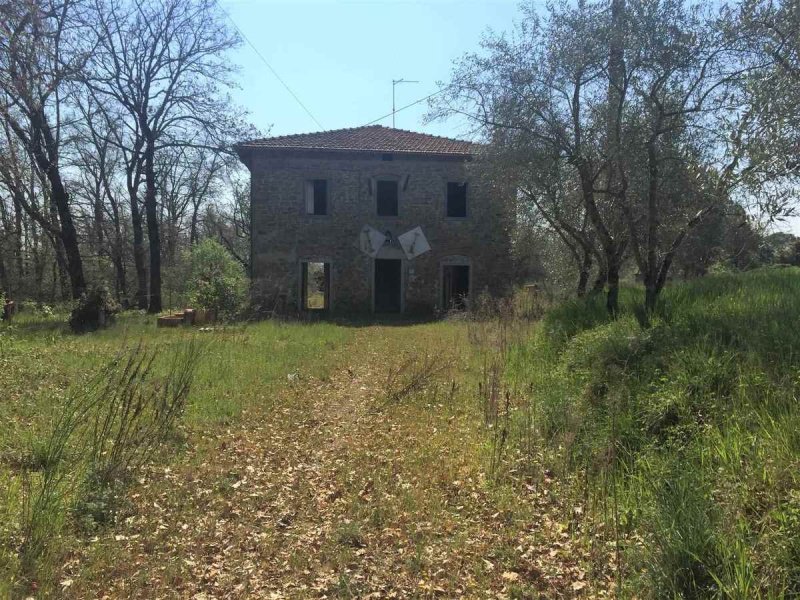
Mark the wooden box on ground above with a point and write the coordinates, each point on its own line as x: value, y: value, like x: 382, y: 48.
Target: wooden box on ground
x: 188, y: 316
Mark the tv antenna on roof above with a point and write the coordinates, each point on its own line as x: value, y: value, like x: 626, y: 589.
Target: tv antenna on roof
x: 394, y: 84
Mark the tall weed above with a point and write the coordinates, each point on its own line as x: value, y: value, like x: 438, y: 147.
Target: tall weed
x: 104, y: 432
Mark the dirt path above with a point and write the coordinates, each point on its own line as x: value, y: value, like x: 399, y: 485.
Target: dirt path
x: 335, y: 493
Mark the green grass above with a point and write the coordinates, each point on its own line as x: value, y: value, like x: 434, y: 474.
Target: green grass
x: 676, y: 443
x: 242, y: 364
x: 683, y: 435
x: 42, y: 363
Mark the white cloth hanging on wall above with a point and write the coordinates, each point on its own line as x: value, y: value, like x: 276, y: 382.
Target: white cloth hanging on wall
x: 414, y: 243
x: 370, y: 240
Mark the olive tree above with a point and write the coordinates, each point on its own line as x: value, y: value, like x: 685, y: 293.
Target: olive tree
x: 644, y: 106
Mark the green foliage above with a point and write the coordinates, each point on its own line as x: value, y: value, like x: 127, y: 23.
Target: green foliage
x: 781, y: 248
x: 95, y: 310
x: 216, y: 281
x: 693, y: 415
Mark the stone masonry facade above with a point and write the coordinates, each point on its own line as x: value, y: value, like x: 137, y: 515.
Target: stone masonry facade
x: 284, y: 236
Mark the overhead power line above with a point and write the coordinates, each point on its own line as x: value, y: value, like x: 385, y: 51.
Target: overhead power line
x: 387, y: 115
x: 269, y: 66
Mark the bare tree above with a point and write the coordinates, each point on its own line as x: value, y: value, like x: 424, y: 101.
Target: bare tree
x: 228, y: 220
x: 163, y: 64
x: 40, y: 57
x: 101, y: 170
x: 189, y: 179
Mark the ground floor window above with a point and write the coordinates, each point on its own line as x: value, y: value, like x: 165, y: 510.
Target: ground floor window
x: 455, y: 287
x: 316, y: 285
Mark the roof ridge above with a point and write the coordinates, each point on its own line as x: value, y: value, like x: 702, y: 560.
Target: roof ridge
x: 431, y: 135
x: 353, y: 129
x: 367, y: 138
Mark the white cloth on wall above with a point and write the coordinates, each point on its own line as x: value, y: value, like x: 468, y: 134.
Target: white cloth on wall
x: 370, y: 240
x: 414, y: 243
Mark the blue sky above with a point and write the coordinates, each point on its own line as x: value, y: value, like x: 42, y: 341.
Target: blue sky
x: 339, y: 57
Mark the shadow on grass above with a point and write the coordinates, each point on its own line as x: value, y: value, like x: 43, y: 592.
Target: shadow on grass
x: 383, y: 320
x: 34, y: 326
x: 357, y: 319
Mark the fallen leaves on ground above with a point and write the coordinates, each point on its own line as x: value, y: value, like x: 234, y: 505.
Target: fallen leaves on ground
x: 332, y: 494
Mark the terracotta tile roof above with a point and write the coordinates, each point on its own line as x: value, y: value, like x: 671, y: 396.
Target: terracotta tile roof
x: 370, y: 138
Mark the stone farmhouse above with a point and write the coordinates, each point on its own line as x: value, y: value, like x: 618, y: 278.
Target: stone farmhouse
x: 371, y: 219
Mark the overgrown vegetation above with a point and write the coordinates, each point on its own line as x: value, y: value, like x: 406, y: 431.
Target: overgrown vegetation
x: 100, y: 438
x: 680, y: 432
x: 216, y: 281
x: 86, y: 421
x: 94, y: 310
x: 657, y: 452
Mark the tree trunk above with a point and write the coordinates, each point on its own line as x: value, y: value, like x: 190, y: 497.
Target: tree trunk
x: 18, y: 255
x: 69, y: 236
x: 651, y: 260
x: 139, y: 252
x: 612, y: 249
x: 616, y: 96
x: 60, y: 199
x: 585, y: 270
x: 4, y: 289
x: 600, y: 280
x: 117, y: 257
x: 99, y: 233
x: 153, y: 234
x: 193, y: 227
x: 650, y: 298
x: 120, y: 285
x: 612, y: 280
x: 38, y: 259
x: 62, y: 269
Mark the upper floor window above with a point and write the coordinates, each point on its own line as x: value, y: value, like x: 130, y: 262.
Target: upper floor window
x: 456, y: 199
x: 387, y: 198
x: 316, y: 191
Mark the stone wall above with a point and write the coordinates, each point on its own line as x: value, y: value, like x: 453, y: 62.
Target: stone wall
x: 283, y: 236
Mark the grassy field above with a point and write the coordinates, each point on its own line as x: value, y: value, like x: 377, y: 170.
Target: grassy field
x: 576, y: 456
x: 682, y: 437
x: 336, y: 460
x: 42, y: 364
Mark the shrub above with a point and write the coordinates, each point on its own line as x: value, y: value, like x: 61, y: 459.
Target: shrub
x: 95, y: 310
x: 216, y: 281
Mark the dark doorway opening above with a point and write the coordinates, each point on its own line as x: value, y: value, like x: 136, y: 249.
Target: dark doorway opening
x: 388, y: 285
x: 316, y: 286
x: 455, y: 284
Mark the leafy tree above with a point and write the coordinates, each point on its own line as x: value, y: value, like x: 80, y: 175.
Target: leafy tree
x: 548, y: 201
x: 216, y: 280
x: 642, y: 107
x: 546, y: 86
